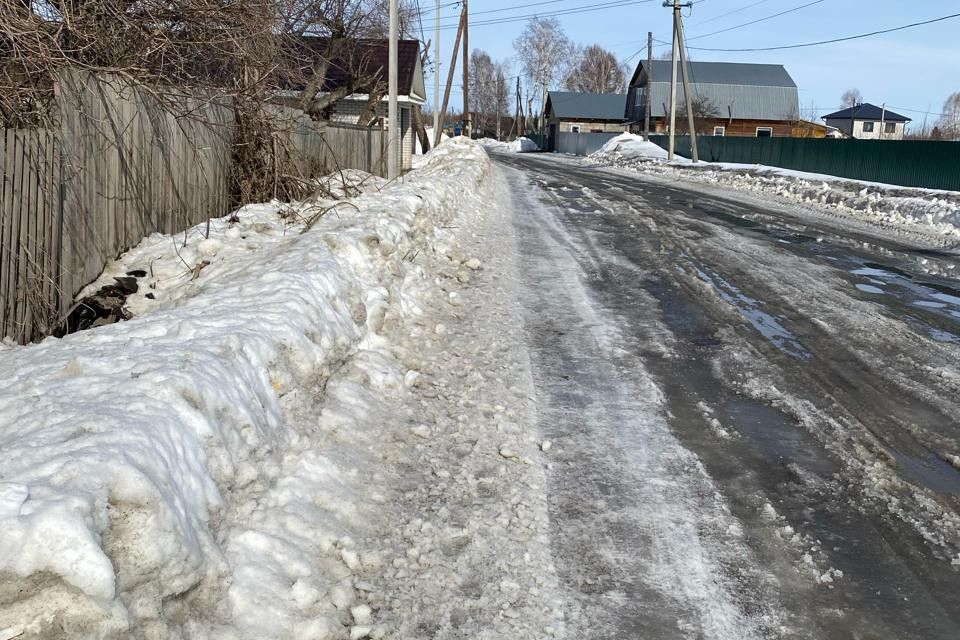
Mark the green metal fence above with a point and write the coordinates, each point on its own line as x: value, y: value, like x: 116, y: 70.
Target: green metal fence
x: 909, y: 163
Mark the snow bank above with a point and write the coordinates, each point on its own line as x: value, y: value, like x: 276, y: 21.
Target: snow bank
x: 632, y: 147
x: 418, y: 150
x: 933, y: 215
x: 520, y: 145
x: 168, y: 470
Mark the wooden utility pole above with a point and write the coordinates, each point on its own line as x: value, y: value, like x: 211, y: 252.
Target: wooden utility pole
x: 436, y: 75
x: 467, y: 125
x: 446, y: 93
x: 694, y: 154
x: 648, y: 107
x: 393, y: 142
x: 673, y: 83
x: 679, y: 46
x: 521, y: 121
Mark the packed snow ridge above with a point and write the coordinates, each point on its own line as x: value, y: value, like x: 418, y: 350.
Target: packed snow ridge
x: 206, y: 467
x: 520, y: 145
x: 932, y: 214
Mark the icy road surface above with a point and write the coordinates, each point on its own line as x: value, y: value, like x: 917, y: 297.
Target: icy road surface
x: 752, y: 416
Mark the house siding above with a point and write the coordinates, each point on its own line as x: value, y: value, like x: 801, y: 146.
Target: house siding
x: 856, y: 131
x: 734, y: 128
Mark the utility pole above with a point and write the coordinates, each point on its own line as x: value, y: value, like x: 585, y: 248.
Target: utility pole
x: 436, y: 74
x: 883, y: 117
x: 393, y: 139
x: 446, y: 94
x: 648, y: 107
x: 520, y: 123
x: 467, y: 125
x: 679, y: 46
x: 673, y: 83
x: 691, y: 125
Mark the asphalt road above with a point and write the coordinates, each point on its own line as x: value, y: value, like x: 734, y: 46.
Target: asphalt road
x: 755, y: 416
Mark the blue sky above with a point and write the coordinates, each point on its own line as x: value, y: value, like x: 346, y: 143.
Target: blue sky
x: 913, y: 70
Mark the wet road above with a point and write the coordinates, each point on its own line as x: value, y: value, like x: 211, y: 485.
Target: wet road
x: 756, y: 416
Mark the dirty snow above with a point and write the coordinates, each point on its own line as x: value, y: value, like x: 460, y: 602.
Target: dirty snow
x: 932, y: 214
x: 216, y: 466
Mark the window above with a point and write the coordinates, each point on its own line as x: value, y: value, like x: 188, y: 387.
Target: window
x: 868, y: 127
x: 764, y: 132
x: 596, y: 130
x: 890, y: 127
x: 719, y: 131
x: 575, y: 128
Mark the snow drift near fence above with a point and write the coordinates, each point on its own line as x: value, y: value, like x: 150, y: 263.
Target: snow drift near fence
x: 520, y: 145
x: 128, y: 447
x: 632, y: 147
x: 931, y: 215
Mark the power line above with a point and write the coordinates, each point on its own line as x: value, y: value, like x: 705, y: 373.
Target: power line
x: 563, y: 12
x: 747, y: 24
x: 831, y: 41
x: 730, y: 13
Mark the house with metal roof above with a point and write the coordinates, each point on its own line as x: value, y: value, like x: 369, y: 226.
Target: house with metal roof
x: 868, y: 122
x: 729, y: 98
x: 571, y: 112
x: 355, y: 77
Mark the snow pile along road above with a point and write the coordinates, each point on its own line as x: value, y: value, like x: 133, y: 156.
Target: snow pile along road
x: 628, y: 146
x: 520, y: 145
x: 933, y: 215
x: 208, y: 467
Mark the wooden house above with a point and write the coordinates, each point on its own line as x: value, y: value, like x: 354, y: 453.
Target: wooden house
x: 730, y: 99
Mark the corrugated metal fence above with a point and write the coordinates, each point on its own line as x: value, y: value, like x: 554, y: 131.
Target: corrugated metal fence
x: 582, y: 144
x: 909, y: 163
x: 119, y: 167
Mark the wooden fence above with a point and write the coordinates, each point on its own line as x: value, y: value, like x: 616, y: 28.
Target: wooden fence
x: 119, y: 166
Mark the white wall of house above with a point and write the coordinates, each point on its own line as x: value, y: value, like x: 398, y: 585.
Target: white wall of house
x: 587, y: 127
x: 869, y: 129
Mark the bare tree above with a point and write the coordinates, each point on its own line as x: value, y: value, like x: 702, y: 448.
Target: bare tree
x: 851, y: 98
x: 949, y: 123
x: 544, y: 52
x: 704, y: 113
x: 596, y: 71
x: 488, y: 93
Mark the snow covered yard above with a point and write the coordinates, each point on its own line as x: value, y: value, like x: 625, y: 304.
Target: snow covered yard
x: 238, y: 460
x: 928, y: 214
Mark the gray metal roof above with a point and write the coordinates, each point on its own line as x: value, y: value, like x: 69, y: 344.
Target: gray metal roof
x: 739, y: 73
x: 736, y: 90
x: 589, y: 106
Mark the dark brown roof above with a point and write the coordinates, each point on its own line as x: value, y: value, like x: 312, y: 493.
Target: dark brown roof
x: 357, y: 60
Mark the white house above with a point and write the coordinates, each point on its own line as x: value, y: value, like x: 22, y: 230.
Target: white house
x: 868, y: 122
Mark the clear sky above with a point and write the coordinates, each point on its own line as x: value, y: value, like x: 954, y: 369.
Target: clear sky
x: 913, y: 70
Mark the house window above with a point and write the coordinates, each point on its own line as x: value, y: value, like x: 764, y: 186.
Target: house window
x: 890, y: 127
x: 575, y: 128
x: 719, y: 131
x: 596, y: 130
x: 764, y: 132
x: 868, y: 127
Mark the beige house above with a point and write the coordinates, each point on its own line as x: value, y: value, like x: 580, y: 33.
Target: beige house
x: 570, y: 112
x: 868, y: 122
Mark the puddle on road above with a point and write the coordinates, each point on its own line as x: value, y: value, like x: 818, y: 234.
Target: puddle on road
x: 930, y: 471
x: 869, y: 288
x: 769, y: 326
x: 934, y: 302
